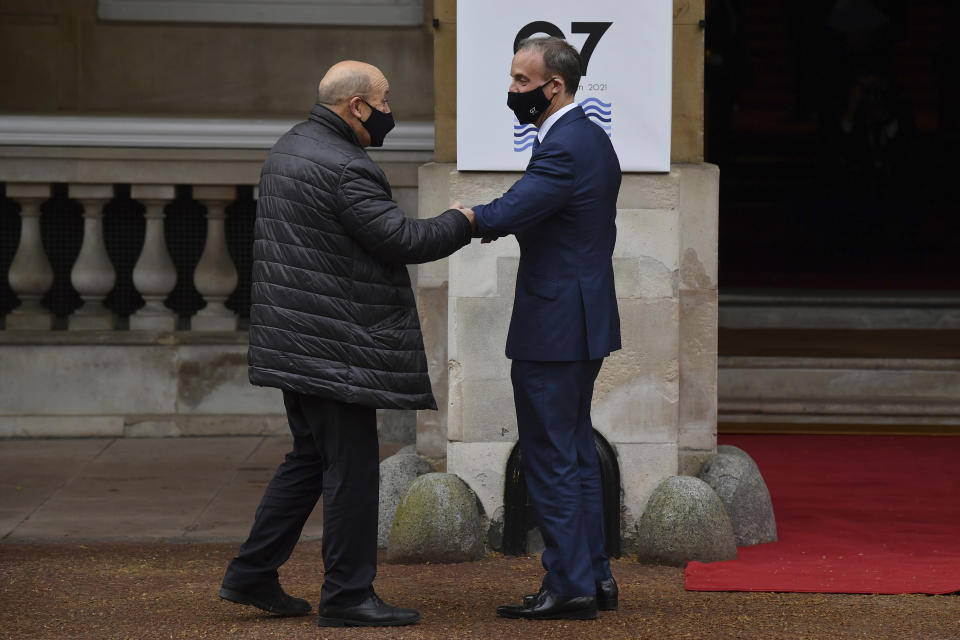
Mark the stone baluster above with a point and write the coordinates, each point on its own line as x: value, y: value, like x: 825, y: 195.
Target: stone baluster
x: 31, y: 275
x: 93, y: 275
x: 215, y: 276
x: 154, y: 275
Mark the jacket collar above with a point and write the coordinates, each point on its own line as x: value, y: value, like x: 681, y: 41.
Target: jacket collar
x: 573, y: 114
x: 329, y: 119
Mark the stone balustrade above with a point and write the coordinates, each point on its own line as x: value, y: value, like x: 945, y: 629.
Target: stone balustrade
x: 125, y: 258
x: 93, y: 275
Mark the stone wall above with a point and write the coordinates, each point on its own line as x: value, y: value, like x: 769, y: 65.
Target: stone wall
x: 61, y: 58
x: 655, y: 400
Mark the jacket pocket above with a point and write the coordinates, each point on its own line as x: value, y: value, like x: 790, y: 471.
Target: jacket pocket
x: 541, y: 287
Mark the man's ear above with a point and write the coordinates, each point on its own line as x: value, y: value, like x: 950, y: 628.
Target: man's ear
x: 559, y: 85
x: 354, y: 107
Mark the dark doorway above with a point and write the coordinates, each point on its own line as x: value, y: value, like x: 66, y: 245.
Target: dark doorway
x: 519, y: 517
x: 834, y: 124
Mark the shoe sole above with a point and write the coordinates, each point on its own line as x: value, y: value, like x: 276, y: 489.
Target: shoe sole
x: 587, y: 614
x: 343, y: 622
x: 238, y: 597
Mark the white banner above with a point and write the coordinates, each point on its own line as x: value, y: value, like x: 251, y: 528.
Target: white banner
x: 625, y: 49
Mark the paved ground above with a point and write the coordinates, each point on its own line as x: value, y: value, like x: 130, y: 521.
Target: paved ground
x: 128, y: 539
x: 189, y: 489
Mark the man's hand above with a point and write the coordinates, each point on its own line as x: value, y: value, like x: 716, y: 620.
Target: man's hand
x: 467, y: 212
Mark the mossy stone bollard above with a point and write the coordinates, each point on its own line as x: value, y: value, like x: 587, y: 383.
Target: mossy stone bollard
x: 438, y: 520
x: 684, y: 520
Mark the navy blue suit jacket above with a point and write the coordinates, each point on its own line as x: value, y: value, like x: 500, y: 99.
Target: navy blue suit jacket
x: 562, y: 212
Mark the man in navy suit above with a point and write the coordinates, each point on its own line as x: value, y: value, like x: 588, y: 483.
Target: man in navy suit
x: 565, y: 321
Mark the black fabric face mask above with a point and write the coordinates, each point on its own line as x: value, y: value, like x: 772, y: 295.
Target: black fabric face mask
x: 378, y: 124
x: 529, y: 105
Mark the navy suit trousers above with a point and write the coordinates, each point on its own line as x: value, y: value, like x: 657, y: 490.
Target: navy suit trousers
x: 335, y: 455
x: 562, y: 471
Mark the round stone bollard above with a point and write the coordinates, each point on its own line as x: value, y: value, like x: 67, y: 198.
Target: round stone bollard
x: 684, y: 520
x: 397, y: 473
x: 438, y: 520
x: 735, y: 478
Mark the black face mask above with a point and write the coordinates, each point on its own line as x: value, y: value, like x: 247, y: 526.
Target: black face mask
x: 529, y: 105
x: 378, y: 124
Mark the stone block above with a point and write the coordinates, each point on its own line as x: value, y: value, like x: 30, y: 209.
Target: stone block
x: 397, y: 473
x: 479, y: 335
x: 482, y: 465
x: 232, y: 425
x: 480, y: 187
x: 649, y: 233
x: 213, y: 379
x: 642, y: 468
x: 686, y: 142
x: 698, y: 369
x: 92, y: 379
x: 684, y: 520
x: 474, y: 269
x: 643, y: 278
x: 152, y: 429
x: 49, y: 426
x: 649, y: 191
x: 438, y: 520
x: 735, y: 478
x: 699, y: 219
x: 37, y: 320
x: 636, y: 394
x: 431, y: 426
x: 487, y: 410
x: 201, y: 322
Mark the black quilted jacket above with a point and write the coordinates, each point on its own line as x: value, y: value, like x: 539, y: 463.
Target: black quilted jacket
x: 333, y: 313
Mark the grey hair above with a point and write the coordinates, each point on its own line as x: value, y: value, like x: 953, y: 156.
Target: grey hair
x: 559, y: 57
x: 343, y: 87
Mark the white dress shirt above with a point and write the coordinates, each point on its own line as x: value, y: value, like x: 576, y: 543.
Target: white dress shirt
x: 552, y: 120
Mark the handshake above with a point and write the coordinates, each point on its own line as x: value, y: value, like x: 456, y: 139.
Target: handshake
x: 471, y: 217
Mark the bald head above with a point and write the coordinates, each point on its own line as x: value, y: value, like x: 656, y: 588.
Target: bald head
x: 347, y: 79
x: 352, y: 90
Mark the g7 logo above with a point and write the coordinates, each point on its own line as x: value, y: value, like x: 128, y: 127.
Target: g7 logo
x: 595, y: 29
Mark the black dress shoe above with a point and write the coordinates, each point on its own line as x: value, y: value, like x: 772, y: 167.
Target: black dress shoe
x: 549, y: 606
x: 372, y: 612
x: 269, y: 597
x: 607, y: 596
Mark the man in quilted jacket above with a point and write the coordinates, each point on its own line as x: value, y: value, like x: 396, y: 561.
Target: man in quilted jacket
x: 333, y: 324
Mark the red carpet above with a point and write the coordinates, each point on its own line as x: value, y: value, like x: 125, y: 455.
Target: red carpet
x: 855, y: 514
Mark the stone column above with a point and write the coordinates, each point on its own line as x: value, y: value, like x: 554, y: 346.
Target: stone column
x: 215, y: 276
x: 31, y: 275
x: 154, y: 275
x: 93, y: 275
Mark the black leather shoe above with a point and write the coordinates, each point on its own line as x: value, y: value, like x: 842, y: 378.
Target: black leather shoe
x: 372, y: 612
x: 607, y: 596
x: 548, y: 606
x: 269, y: 597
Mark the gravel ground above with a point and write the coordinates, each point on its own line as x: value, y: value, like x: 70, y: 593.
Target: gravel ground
x: 168, y: 590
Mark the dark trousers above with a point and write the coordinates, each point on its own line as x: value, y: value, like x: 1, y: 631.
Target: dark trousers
x: 335, y: 455
x: 562, y: 471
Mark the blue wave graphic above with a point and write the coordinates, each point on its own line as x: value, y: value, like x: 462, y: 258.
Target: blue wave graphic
x: 523, y: 127
x: 595, y: 109
x: 596, y: 116
x: 523, y: 148
x: 524, y: 139
x: 605, y: 105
